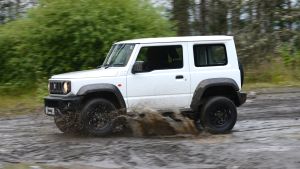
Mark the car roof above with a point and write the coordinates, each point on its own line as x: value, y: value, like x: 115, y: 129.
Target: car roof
x: 179, y: 39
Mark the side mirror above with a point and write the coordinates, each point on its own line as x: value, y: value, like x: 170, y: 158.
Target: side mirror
x: 137, y: 67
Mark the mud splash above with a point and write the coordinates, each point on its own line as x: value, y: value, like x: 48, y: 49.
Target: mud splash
x: 147, y: 122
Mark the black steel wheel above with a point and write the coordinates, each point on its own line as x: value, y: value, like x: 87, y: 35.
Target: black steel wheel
x: 219, y: 115
x: 97, y: 116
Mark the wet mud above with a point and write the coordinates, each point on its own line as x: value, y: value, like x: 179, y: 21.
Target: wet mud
x: 266, y: 135
x: 146, y: 122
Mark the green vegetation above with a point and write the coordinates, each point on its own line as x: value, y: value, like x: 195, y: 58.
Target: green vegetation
x: 30, y: 166
x: 67, y: 35
x: 273, y: 72
x: 18, y: 105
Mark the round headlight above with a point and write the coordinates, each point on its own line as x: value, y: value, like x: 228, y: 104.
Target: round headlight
x: 66, y: 87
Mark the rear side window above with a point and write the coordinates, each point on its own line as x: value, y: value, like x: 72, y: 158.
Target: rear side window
x: 210, y: 55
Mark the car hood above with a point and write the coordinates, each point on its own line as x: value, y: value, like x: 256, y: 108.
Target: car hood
x: 110, y: 72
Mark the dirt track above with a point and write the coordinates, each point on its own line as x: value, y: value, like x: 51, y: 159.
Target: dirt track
x: 267, y: 135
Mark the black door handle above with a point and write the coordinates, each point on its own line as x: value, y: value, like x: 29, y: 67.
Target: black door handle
x: 179, y: 77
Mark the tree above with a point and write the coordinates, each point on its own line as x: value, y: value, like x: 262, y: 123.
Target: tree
x: 67, y: 35
x: 181, y: 16
x: 259, y: 26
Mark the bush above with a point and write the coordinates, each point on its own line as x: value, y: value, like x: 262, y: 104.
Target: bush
x: 290, y: 55
x: 67, y: 35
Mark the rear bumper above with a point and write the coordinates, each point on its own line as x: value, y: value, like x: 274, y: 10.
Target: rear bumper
x: 61, y: 105
x: 242, y: 97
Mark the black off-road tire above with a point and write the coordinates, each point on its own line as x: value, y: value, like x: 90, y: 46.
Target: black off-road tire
x: 68, y: 123
x: 97, y: 117
x: 218, y: 115
x: 198, y: 123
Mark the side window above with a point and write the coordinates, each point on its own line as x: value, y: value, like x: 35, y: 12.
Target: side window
x: 161, y: 57
x: 210, y: 55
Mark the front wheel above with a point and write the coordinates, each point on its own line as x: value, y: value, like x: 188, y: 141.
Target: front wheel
x: 219, y: 115
x: 97, y: 116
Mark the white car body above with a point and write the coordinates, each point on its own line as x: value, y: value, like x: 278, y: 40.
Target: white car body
x: 159, y: 89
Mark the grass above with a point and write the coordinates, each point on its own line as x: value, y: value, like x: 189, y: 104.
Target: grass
x: 263, y: 85
x: 271, y: 74
x: 19, y: 105
x: 29, y: 166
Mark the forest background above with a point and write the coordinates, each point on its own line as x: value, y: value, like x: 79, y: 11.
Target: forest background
x: 46, y: 37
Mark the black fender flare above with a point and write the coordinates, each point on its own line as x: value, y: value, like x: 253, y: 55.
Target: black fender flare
x: 205, y: 84
x: 103, y: 87
x: 241, y: 67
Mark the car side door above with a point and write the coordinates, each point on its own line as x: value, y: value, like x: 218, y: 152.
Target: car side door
x: 164, y: 81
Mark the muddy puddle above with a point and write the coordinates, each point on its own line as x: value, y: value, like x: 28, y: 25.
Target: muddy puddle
x: 145, y: 122
x: 267, y: 135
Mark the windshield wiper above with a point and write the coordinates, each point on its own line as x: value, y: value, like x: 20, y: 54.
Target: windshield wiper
x: 107, y: 65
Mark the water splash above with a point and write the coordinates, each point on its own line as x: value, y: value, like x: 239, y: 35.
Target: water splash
x: 148, y: 122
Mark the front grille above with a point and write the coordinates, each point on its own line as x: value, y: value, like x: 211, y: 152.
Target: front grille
x: 56, y: 87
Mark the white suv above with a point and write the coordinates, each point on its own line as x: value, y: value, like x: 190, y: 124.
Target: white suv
x: 198, y: 75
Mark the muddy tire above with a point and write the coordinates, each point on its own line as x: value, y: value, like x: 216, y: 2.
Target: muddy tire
x: 68, y: 123
x: 97, y: 117
x: 218, y: 115
x: 198, y: 123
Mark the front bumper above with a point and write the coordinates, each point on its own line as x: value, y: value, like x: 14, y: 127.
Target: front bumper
x: 61, y: 105
x: 242, y: 97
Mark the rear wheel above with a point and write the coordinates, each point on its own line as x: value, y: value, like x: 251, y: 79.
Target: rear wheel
x: 97, y: 116
x: 219, y: 115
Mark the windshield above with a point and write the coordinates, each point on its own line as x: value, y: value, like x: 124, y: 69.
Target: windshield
x: 118, y: 55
